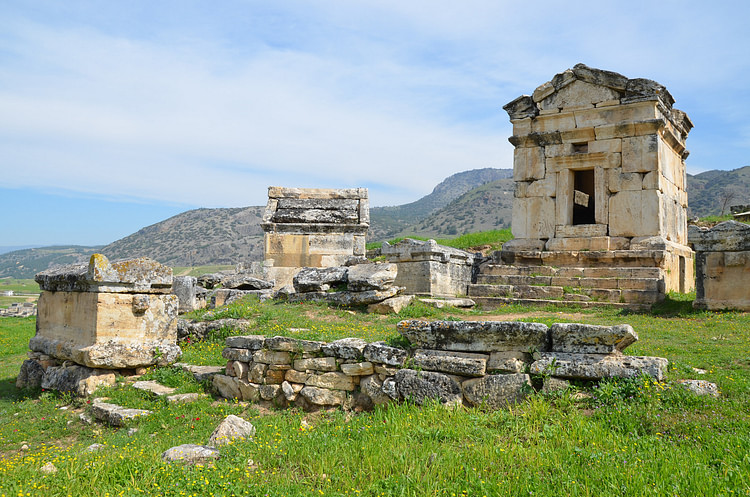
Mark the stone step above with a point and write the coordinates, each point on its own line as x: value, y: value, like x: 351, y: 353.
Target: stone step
x: 650, y: 284
x: 573, y: 272
x: 636, y: 296
x: 509, y: 279
x: 489, y: 303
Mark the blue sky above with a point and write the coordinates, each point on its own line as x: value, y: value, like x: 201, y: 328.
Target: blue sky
x: 116, y: 115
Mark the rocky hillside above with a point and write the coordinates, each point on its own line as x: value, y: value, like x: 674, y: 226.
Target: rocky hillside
x: 710, y: 191
x: 387, y: 222
x: 466, y: 202
x: 197, y: 237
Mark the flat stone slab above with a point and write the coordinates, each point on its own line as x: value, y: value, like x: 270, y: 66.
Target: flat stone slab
x: 184, y: 398
x: 497, y: 391
x: 422, y: 386
x: 382, y: 353
x: 460, y: 363
x: 443, y: 303
x: 475, y: 336
x: 590, y: 339
x: 598, y: 366
x: 115, y: 415
x: 700, y: 387
x: 153, y: 387
x: 191, y: 454
x: 200, y: 373
x: 142, y: 275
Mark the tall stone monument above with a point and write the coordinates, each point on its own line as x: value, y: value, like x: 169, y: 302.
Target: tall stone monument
x: 599, y: 166
x: 312, y: 227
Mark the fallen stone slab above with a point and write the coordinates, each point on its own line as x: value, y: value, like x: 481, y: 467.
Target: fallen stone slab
x: 153, y: 387
x: 497, y: 391
x: 460, y: 363
x: 475, y: 336
x: 443, y: 303
x: 230, y: 429
x: 364, y: 277
x: 346, y: 298
x: 393, y: 305
x: 185, y: 397
x: 422, y: 386
x: 700, y: 387
x: 239, y: 281
x: 598, y: 366
x: 314, y: 279
x: 580, y: 338
x: 115, y: 415
x: 200, y: 373
x: 191, y: 454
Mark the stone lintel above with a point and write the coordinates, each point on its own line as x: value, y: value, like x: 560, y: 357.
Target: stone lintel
x: 279, y: 192
x: 314, y: 228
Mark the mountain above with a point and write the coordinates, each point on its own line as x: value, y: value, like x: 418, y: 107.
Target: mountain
x: 26, y: 263
x: 709, y: 191
x: 387, y: 222
x: 196, y: 238
x: 466, y: 202
x: 483, y: 208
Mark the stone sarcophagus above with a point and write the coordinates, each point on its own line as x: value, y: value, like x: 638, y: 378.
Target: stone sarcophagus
x: 311, y: 227
x: 722, y: 266
x: 428, y: 268
x: 109, y: 315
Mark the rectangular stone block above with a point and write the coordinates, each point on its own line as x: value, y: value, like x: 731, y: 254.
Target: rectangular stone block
x: 640, y: 154
x: 640, y: 111
x: 635, y: 213
x: 463, y: 364
x: 528, y: 163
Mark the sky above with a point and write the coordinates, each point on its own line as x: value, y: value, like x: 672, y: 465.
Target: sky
x: 117, y: 115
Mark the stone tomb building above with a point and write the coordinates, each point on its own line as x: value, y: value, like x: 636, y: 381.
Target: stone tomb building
x: 310, y: 227
x: 600, y: 187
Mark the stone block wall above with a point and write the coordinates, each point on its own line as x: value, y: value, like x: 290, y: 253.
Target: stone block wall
x: 427, y: 268
x: 722, y: 266
x: 451, y: 362
x: 309, y: 227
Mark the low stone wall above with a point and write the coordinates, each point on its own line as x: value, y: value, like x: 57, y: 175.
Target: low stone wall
x: 451, y: 362
x: 722, y: 266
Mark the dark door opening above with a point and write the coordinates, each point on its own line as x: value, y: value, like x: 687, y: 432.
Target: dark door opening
x: 583, y: 197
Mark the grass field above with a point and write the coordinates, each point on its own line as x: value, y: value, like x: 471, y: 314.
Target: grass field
x: 198, y: 270
x: 630, y: 438
x: 493, y: 239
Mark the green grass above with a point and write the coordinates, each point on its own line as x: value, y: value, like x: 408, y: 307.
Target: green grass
x: 199, y: 270
x: 633, y: 438
x: 494, y: 238
x: 19, y: 285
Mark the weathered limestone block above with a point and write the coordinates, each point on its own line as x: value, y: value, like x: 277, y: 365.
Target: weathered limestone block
x: 286, y: 344
x: 598, y: 366
x: 364, y: 277
x: 497, y: 391
x: 226, y: 386
x: 236, y: 354
x: 508, y: 362
x: 357, y: 369
x: 315, y: 364
x: 100, y: 275
x: 314, y: 279
x: 422, y: 386
x: 346, y: 299
x: 475, y: 336
x: 240, y: 281
x: 265, y: 356
x: 346, y: 348
x: 379, y: 352
x: 590, y: 339
x: 115, y: 415
x: 30, y: 375
x: 722, y: 265
x: 460, y: 363
x: 230, y: 429
x: 635, y: 213
x: 332, y: 381
x: 536, y: 217
x: 191, y: 454
x: 185, y: 288
x: 249, y: 391
x: 250, y: 342
x: 393, y: 305
x: 79, y: 380
x: 373, y: 388
x: 153, y: 387
x: 700, y: 387
x: 323, y: 397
